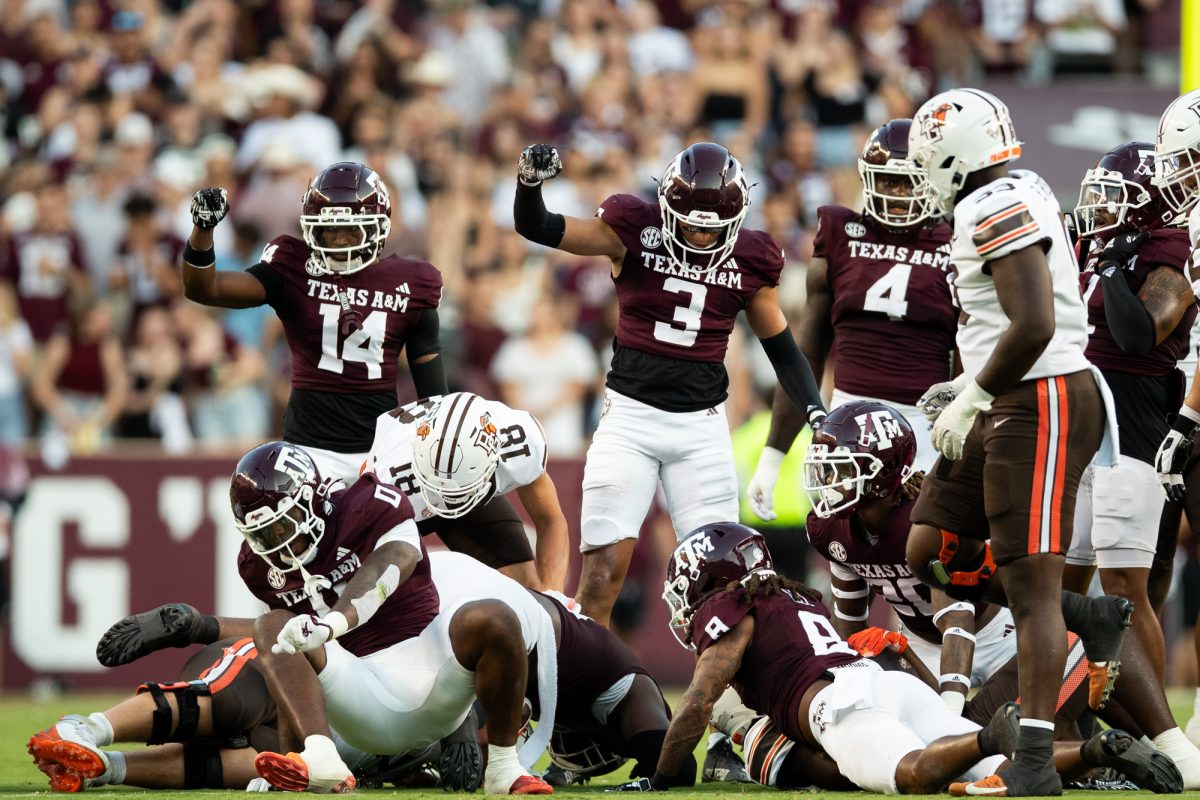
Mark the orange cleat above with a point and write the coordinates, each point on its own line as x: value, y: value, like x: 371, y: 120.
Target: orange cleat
x: 530, y: 784
x: 992, y: 785
x: 67, y: 744
x: 1102, y: 678
x: 290, y: 773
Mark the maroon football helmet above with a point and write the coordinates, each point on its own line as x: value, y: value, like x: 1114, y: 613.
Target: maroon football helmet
x: 346, y: 197
x: 861, y: 450
x: 709, y: 558
x: 272, y: 494
x: 1117, y: 195
x: 703, y: 191
x: 890, y: 180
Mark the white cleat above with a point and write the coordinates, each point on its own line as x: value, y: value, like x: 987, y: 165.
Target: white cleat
x: 69, y: 744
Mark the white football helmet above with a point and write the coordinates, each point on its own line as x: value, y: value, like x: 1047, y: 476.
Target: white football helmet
x: 455, y: 454
x: 956, y: 133
x: 1177, y: 153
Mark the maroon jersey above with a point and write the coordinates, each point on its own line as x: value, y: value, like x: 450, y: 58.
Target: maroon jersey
x: 794, y: 645
x: 342, y: 380
x: 360, y: 516
x: 83, y: 372
x: 1165, y: 247
x: 39, y: 265
x: 882, y: 564
x: 890, y: 295
x: 675, y: 322
x: 144, y: 288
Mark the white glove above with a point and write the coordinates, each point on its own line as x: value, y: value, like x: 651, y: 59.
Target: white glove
x: 258, y: 785
x: 952, y: 425
x: 308, y: 632
x: 940, y: 395
x: 1174, y: 452
x: 569, y: 603
x: 761, y: 491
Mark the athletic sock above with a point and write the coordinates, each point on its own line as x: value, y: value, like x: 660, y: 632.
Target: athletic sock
x: 115, y: 775
x: 1035, y: 744
x: 100, y: 728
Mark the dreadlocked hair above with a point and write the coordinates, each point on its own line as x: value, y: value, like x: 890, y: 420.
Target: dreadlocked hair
x: 764, y: 583
x: 911, y: 488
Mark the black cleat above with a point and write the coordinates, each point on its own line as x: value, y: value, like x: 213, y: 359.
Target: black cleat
x: 172, y: 625
x: 1012, y: 780
x: 461, y: 762
x: 1142, y: 764
x: 722, y: 765
x: 558, y: 777
x: 999, y: 736
x: 1102, y: 634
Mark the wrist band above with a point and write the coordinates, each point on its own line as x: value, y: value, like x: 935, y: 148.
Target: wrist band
x: 1190, y: 413
x: 954, y: 677
x: 201, y: 259
x: 337, y: 622
x: 959, y: 606
x: 965, y: 634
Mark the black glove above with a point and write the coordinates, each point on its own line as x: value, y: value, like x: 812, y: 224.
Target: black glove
x: 538, y: 162
x: 639, y: 785
x: 1119, y: 251
x: 209, y: 206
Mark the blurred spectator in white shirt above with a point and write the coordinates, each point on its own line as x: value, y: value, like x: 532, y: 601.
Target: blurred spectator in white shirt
x: 16, y: 358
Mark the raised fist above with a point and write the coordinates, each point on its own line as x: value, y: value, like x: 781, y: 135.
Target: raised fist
x: 209, y: 206
x: 538, y: 162
x: 1119, y: 252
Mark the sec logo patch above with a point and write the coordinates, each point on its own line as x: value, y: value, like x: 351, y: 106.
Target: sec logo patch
x: 275, y: 578
x: 837, y: 551
x: 651, y: 237
x: 856, y: 230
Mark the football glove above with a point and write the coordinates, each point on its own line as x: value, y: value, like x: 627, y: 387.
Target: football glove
x: 1118, y: 253
x: 873, y: 641
x: 209, y: 206
x: 308, y: 632
x: 940, y: 395
x: 761, y: 491
x: 1173, y: 454
x: 954, y: 423
x: 638, y: 785
x: 538, y: 162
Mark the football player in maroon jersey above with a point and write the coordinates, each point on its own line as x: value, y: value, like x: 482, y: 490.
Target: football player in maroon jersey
x: 385, y: 660
x: 876, y: 287
x: 347, y: 313
x: 1140, y: 314
x: 683, y: 268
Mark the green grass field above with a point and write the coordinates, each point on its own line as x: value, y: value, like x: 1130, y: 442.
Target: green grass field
x: 21, y: 717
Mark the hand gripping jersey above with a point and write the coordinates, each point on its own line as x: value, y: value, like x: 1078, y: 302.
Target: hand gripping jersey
x: 357, y: 521
x: 1166, y: 247
x: 1007, y: 215
x: 891, y: 295
x: 342, y: 378
x: 522, y: 448
x: 675, y: 322
x: 882, y: 565
x: 794, y: 645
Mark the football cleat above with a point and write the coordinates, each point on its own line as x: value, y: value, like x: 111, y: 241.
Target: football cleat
x: 1102, y: 636
x: 172, y: 625
x: 1137, y: 761
x: 1012, y: 780
x: 558, y: 777
x: 69, y: 744
x: 722, y: 765
x: 318, y: 769
x: 530, y: 784
x: 461, y: 761
x: 61, y: 780
x: 1000, y: 735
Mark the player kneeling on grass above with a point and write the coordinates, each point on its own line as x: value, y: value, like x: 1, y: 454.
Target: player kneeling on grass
x: 885, y: 731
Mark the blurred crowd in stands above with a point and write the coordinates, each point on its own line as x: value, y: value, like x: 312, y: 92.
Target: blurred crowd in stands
x: 115, y: 111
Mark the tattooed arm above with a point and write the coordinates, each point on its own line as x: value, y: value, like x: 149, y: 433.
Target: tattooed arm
x: 714, y: 670
x: 1166, y: 294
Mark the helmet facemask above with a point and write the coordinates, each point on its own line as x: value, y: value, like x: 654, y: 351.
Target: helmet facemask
x: 286, y: 537
x: 1177, y: 176
x: 373, y: 231
x: 455, y: 455
x: 1109, y: 193
x: 892, y: 193
x: 836, y: 480
x: 683, y: 252
x: 446, y: 498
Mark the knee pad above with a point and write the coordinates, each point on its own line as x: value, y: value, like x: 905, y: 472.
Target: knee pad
x: 202, y: 768
x: 961, y: 584
x: 187, y: 696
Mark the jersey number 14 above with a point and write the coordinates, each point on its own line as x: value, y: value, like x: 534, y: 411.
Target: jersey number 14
x: 364, y: 345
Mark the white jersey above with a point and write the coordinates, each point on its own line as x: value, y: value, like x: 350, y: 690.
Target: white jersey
x: 1193, y: 273
x: 522, y: 448
x: 995, y: 220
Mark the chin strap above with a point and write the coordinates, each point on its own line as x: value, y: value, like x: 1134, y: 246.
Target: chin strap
x: 940, y: 566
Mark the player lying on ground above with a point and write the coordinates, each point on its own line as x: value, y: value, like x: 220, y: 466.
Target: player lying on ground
x: 609, y: 708
x: 772, y: 639
x: 462, y: 499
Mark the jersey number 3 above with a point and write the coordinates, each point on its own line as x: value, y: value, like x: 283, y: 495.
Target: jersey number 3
x: 689, y: 315
x: 365, y: 345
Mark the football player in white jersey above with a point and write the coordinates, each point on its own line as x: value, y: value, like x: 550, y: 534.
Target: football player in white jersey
x: 1177, y: 174
x: 456, y: 484
x: 1018, y: 427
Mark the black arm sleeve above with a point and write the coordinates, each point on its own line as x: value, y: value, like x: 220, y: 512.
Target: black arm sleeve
x: 1131, y: 324
x: 429, y: 377
x: 793, y: 370
x: 271, y: 280
x: 532, y: 219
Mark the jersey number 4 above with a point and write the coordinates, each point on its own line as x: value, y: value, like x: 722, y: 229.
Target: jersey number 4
x: 689, y: 315
x: 887, y: 294
x: 365, y: 345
